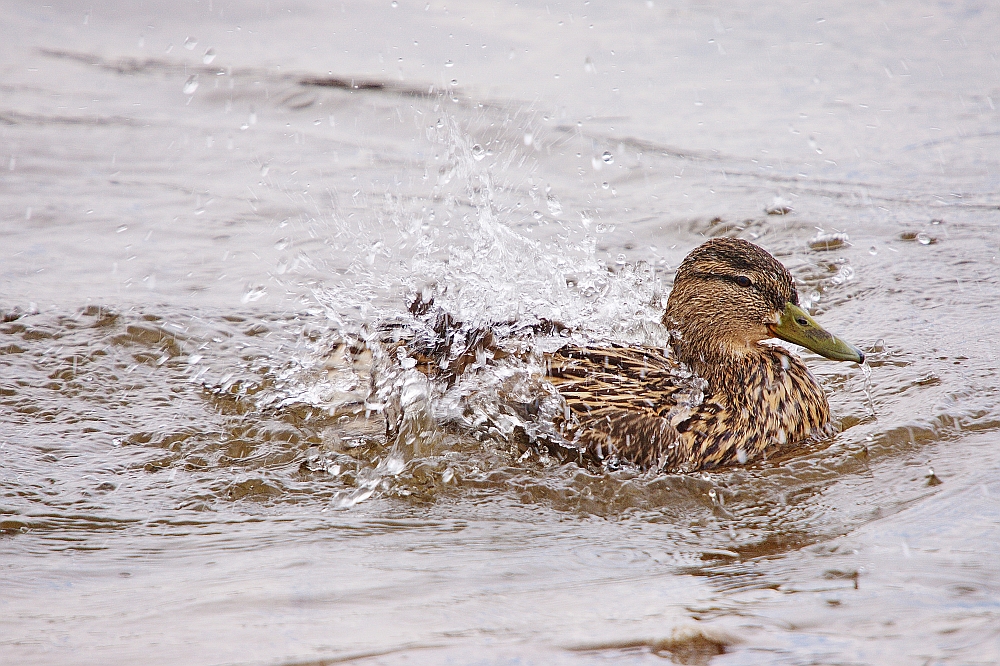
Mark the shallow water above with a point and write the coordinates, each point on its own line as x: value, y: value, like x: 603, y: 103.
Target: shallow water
x: 200, y: 202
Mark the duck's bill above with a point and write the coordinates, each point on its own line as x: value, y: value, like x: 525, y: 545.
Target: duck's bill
x: 796, y: 326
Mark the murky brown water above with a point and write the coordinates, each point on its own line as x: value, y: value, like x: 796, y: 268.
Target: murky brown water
x: 199, y: 202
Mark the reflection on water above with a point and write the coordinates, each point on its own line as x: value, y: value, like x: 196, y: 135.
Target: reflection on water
x: 206, y: 239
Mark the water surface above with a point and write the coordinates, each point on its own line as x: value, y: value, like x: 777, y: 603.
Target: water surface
x: 201, y: 202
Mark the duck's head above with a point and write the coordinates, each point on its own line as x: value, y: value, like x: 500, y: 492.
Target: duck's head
x: 730, y: 294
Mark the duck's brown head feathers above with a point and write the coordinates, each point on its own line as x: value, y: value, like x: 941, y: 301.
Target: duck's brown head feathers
x: 726, y: 295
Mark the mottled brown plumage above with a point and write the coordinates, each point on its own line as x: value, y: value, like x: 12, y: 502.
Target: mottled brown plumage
x: 719, y: 395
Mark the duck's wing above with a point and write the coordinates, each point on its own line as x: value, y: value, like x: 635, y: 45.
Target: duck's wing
x: 629, y: 402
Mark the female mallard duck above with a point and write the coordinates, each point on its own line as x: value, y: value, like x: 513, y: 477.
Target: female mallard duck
x: 721, y: 395
x: 745, y: 397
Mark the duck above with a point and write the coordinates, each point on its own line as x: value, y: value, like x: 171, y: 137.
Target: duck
x: 719, y: 394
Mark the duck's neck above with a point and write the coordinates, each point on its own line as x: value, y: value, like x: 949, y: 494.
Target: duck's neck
x: 724, y: 367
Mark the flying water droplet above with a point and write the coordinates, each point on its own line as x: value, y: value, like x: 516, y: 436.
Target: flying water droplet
x: 923, y: 238
x: 529, y: 138
x: 478, y: 152
x: 608, y: 157
x: 605, y: 184
x: 449, y: 63
x: 873, y: 250
x: 190, y: 43
x: 191, y: 84
x: 208, y: 57
x: 253, y: 294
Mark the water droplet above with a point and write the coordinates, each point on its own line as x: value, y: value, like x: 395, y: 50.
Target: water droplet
x: 529, y: 138
x: 608, y: 157
x: 554, y: 206
x: 923, y: 238
x: 394, y: 4
x: 478, y: 152
x: 264, y: 169
x: 605, y: 185
x: 536, y: 214
x: 191, y: 84
x: 620, y: 260
x: 208, y: 57
x: 454, y: 82
x: 190, y: 43
x: 122, y: 228
x: 253, y: 294
x: 282, y: 243
x: 449, y: 63
x: 873, y: 250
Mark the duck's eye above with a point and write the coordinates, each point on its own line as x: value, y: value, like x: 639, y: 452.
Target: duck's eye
x: 743, y: 281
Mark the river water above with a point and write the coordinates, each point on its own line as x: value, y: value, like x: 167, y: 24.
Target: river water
x: 201, y: 201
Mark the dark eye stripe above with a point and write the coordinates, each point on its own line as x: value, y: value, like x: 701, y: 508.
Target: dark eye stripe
x: 741, y: 280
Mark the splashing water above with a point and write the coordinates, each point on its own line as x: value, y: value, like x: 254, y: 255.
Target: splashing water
x: 486, y: 277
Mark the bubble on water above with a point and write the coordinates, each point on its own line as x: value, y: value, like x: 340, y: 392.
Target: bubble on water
x: 252, y: 294
x: 191, y: 84
x: 621, y: 260
x: 923, y: 238
x: 873, y: 250
x: 845, y: 274
x: 608, y: 157
x: 208, y: 57
x: 449, y: 63
x: 190, y: 43
x: 478, y: 152
x: 454, y: 82
x: 605, y: 184
x: 823, y: 241
x: 554, y: 206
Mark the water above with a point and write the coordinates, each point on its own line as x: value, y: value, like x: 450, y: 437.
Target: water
x: 201, y: 203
